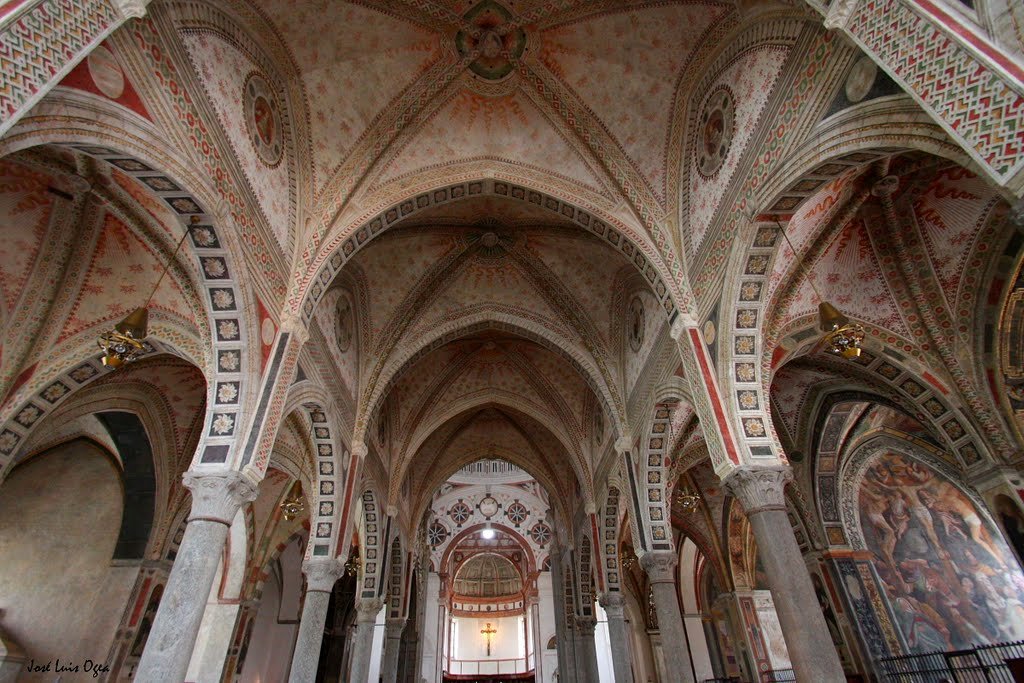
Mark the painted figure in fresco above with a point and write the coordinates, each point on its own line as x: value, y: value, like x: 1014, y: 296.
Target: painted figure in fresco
x: 951, y: 581
x: 264, y: 119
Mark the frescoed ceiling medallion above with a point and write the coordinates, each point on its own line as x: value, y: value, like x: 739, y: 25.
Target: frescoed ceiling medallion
x: 263, y: 119
x: 488, y: 507
x: 715, y: 131
x: 497, y: 39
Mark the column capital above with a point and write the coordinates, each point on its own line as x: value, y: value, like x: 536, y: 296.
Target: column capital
x: 216, y: 497
x: 614, y: 603
x: 131, y: 9
x: 759, y: 488
x: 367, y: 610
x: 293, y: 324
x: 839, y: 14
x: 359, y: 449
x: 660, y: 566
x: 623, y: 444
x: 585, y: 625
x: 393, y: 628
x: 677, y: 329
x: 322, y: 573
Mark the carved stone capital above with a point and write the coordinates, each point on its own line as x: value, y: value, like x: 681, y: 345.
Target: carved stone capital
x: 295, y: 326
x: 623, y: 444
x: 886, y: 186
x: 367, y: 610
x: 614, y: 604
x: 131, y: 9
x: 391, y: 511
x: 359, y: 449
x: 759, y: 488
x: 589, y: 507
x: 677, y: 329
x: 660, y: 566
x: 216, y: 497
x: 1017, y: 213
x: 322, y: 573
x: 393, y: 628
x: 585, y: 626
x: 839, y: 13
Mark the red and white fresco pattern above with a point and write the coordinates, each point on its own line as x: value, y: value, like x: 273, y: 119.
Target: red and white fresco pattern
x: 223, y: 69
x: 617, y: 63
x: 751, y: 79
x: 951, y: 212
x: 511, y: 129
x: 121, y: 271
x: 349, y: 79
x: 849, y: 275
x: 25, y: 210
x: 804, y: 227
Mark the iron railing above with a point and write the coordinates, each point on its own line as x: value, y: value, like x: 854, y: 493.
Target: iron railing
x: 983, y: 664
x: 776, y: 676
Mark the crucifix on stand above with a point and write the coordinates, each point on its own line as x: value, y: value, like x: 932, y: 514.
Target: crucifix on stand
x: 488, y: 632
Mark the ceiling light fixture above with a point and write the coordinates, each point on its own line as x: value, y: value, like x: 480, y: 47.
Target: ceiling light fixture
x: 842, y: 336
x: 126, y: 342
x: 488, y: 532
x: 353, y: 562
x: 686, y: 499
x: 292, y: 507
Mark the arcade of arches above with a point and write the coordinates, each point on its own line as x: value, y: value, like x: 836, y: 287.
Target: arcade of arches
x: 484, y: 339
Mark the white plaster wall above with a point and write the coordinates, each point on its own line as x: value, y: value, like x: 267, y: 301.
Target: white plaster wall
x: 60, y: 515
x: 270, y: 649
x: 603, y: 644
x: 507, y: 643
x: 377, y: 650
x: 431, y: 625
x: 692, y: 622
x: 546, y: 598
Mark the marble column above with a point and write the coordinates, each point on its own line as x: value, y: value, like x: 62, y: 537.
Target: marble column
x: 565, y: 640
x: 393, y: 629
x: 367, y: 610
x: 321, y: 575
x: 614, y: 605
x: 660, y: 568
x: 533, y: 607
x: 216, y: 498
x: 586, y: 650
x: 761, y: 492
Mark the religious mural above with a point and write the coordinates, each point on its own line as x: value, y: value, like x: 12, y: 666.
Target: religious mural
x: 951, y: 580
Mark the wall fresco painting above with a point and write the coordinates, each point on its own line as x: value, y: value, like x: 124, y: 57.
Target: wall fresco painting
x: 950, y: 578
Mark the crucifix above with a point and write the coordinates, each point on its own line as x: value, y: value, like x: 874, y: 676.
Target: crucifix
x: 487, y: 633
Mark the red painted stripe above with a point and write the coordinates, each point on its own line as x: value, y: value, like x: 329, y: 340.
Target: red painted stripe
x: 599, y: 554
x: 349, y: 485
x: 931, y: 379
x: 955, y: 25
x: 10, y: 7
x: 716, y: 400
x: 143, y: 596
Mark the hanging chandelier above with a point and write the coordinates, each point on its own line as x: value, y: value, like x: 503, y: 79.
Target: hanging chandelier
x: 292, y: 507
x: 353, y: 562
x: 628, y: 557
x: 686, y: 499
x: 126, y: 342
x: 842, y: 337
